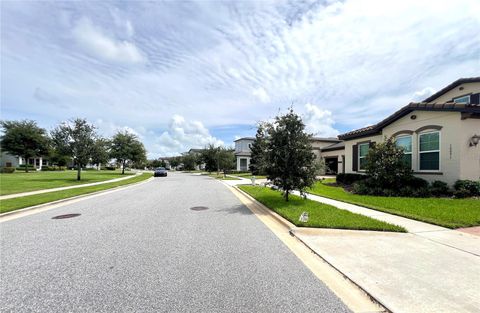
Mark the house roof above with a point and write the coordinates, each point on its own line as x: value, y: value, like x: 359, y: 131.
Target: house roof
x: 451, y: 86
x: 244, y: 138
x: 422, y: 106
x: 336, y: 146
x: 327, y: 139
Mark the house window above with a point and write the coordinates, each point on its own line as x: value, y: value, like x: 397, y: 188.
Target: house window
x: 462, y: 99
x: 243, y: 164
x: 405, y: 142
x: 362, y: 154
x: 429, y: 151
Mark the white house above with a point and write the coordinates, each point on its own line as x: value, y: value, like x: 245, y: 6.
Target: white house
x: 8, y: 160
x: 440, y: 135
x: 242, y: 152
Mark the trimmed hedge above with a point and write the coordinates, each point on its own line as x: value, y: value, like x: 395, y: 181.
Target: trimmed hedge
x: 349, y: 179
x: 7, y: 170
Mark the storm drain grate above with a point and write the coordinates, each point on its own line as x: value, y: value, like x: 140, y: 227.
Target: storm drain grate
x: 60, y: 217
x: 199, y: 208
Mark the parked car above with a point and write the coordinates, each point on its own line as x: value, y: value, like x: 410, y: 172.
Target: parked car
x: 159, y: 172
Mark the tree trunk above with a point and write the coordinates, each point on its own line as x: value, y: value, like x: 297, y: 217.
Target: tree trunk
x: 123, y: 167
x: 79, y: 170
x: 286, y: 196
x: 26, y: 164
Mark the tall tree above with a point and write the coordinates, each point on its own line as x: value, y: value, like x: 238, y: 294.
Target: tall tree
x: 100, y: 152
x: 127, y: 148
x: 24, y: 138
x: 77, y: 140
x: 259, y: 150
x: 291, y: 162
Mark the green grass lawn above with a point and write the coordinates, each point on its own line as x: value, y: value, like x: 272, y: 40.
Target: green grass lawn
x: 22, y: 182
x: 451, y: 213
x: 320, y: 215
x: 23, y: 202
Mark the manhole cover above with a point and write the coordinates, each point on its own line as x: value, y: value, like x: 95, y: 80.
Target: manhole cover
x: 199, y: 208
x: 59, y: 217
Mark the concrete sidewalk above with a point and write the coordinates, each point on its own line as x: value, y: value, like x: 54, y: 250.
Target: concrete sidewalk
x: 36, y: 192
x: 455, y: 239
x: 429, y: 269
x: 404, y: 272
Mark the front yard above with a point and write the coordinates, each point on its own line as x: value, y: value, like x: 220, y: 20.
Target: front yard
x: 22, y: 182
x: 320, y: 215
x: 451, y: 213
x: 27, y: 201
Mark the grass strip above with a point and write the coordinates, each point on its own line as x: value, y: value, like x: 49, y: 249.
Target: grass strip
x: 27, y: 201
x: 37, y: 180
x: 446, y: 212
x: 320, y: 215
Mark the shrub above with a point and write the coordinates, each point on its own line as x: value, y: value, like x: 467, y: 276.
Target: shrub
x: 439, y: 188
x: 368, y: 187
x: 466, y: 188
x: 7, y: 170
x: 414, y: 182
x: 109, y: 168
x: 348, y: 179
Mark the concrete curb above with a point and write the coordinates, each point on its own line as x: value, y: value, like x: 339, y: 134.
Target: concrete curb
x: 287, y: 224
x: 374, y: 299
x: 39, y: 206
x: 291, y: 230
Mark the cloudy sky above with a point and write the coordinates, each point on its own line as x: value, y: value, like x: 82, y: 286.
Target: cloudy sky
x: 184, y: 74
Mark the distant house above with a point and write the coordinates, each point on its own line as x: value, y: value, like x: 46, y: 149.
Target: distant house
x: 243, y: 152
x: 197, y: 152
x: 440, y: 135
x: 330, y: 149
x: 8, y: 160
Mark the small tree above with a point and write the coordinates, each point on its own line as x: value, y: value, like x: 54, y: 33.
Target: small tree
x: 100, y: 152
x: 259, y: 150
x: 209, y: 157
x: 386, y: 166
x: 24, y: 138
x: 291, y: 162
x: 77, y: 140
x: 175, y: 161
x: 126, y: 147
x: 189, y: 161
x: 225, y: 160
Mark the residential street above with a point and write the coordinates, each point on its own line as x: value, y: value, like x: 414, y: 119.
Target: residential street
x: 143, y: 250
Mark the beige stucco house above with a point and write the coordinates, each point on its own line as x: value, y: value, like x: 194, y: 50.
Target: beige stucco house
x: 440, y: 135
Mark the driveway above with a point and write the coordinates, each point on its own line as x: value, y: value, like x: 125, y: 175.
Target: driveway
x: 144, y: 250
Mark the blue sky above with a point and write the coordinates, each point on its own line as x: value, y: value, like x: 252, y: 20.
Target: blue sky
x: 184, y: 74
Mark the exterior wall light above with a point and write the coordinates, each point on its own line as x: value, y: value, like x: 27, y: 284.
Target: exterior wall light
x: 474, y: 140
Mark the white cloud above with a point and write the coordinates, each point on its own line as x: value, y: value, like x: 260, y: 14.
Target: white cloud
x: 97, y: 43
x: 421, y: 95
x: 319, y: 122
x: 182, y: 135
x: 261, y: 94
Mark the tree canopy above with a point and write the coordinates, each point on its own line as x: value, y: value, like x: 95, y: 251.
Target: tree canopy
x: 76, y: 139
x: 127, y: 148
x: 25, y: 139
x: 259, y: 150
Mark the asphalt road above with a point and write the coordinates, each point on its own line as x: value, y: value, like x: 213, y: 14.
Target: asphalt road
x: 143, y: 250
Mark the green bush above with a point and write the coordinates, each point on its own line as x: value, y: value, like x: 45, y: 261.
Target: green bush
x: 418, y: 188
x: 108, y: 168
x: 439, y: 188
x: 8, y: 170
x: 348, y: 179
x: 466, y: 188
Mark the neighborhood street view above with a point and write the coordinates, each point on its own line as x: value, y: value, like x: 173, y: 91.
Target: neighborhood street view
x: 250, y: 156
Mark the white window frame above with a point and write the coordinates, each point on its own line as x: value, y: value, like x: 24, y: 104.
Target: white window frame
x: 439, y: 151
x: 411, y: 148
x: 461, y: 97
x: 361, y: 157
